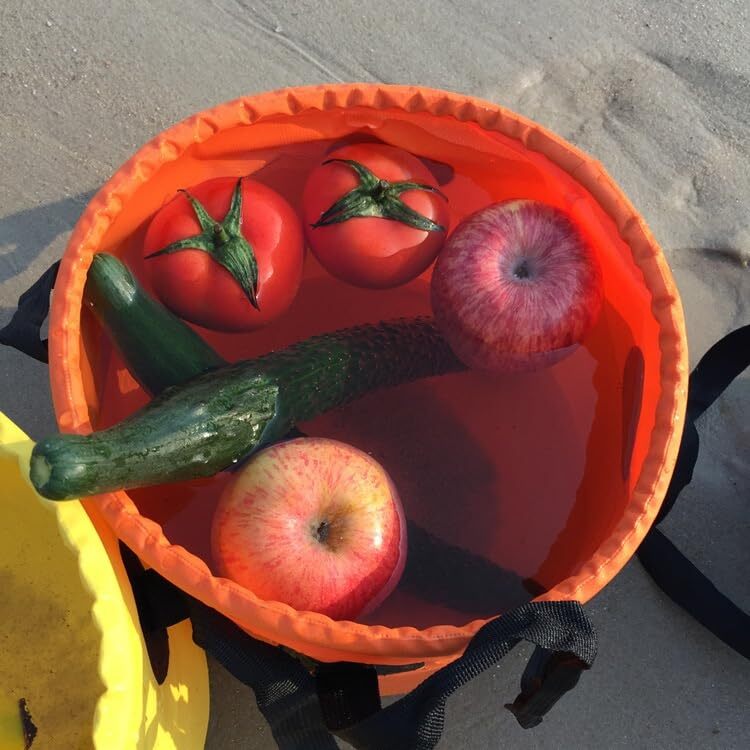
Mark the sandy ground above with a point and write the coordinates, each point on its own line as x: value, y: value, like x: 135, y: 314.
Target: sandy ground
x: 659, y: 92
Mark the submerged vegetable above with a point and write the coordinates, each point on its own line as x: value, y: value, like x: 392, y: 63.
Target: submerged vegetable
x: 226, y: 255
x: 158, y: 348
x: 374, y: 216
x: 205, y: 425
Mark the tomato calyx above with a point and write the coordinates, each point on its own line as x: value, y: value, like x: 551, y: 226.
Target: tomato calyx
x: 224, y: 242
x: 374, y: 197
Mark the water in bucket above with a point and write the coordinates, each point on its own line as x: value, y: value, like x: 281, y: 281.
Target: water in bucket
x: 509, y: 482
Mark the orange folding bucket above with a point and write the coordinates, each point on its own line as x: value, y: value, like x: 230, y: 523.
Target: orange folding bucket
x: 548, y: 481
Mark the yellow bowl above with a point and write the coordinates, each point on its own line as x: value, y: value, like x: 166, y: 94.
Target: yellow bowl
x: 72, y: 650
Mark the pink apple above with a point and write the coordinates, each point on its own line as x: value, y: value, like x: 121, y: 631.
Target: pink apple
x: 516, y: 287
x: 314, y: 523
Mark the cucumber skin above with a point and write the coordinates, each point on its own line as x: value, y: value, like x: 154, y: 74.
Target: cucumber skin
x: 182, y: 434
x: 201, y: 427
x: 158, y: 347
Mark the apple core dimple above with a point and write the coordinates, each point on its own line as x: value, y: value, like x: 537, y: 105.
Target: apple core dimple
x: 322, y: 532
x: 521, y: 269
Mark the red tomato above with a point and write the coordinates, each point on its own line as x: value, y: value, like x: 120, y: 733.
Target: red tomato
x: 367, y: 249
x: 196, y: 286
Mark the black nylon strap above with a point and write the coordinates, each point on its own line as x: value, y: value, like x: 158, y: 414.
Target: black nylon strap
x: 284, y: 689
x: 415, y: 722
x: 23, y: 332
x: 302, y: 710
x: 547, y: 677
x: 718, y: 367
x: 694, y: 592
x: 666, y: 564
x: 348, y: 693
x: 159, y: 605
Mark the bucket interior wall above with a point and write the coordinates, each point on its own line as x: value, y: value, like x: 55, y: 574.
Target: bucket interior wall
x: 527, y: 473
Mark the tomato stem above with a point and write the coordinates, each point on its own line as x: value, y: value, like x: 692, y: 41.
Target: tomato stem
x: 376, y: 197
x: 221, y: 237
x: 224, y: 242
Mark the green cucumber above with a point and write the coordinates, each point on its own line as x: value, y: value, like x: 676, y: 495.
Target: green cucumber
x: 209, y: 423
x: 159, y: 349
